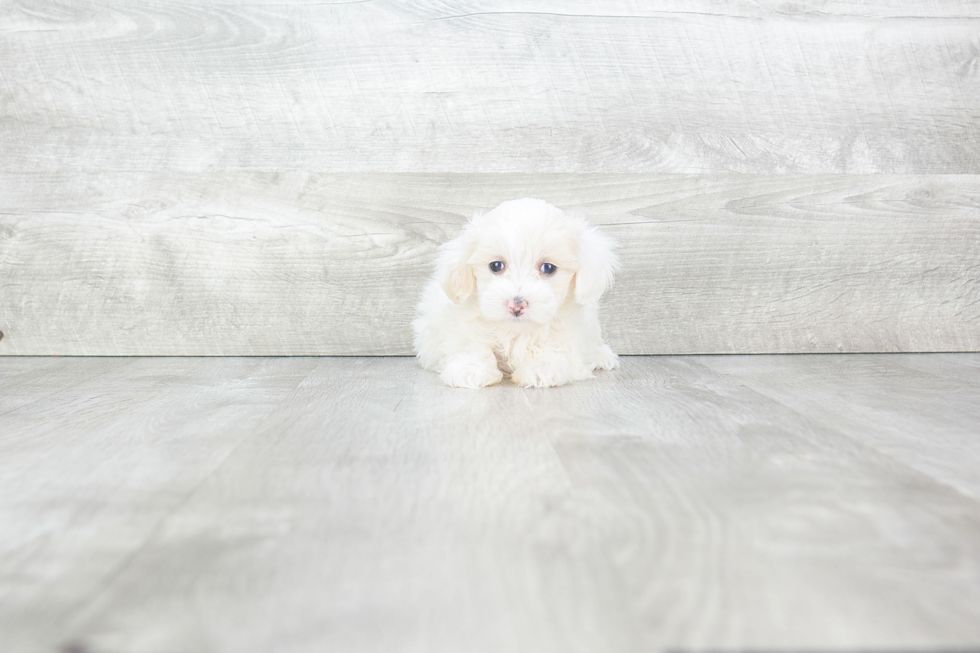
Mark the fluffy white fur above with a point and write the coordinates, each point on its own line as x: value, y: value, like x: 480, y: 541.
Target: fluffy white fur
x: 472, y: 327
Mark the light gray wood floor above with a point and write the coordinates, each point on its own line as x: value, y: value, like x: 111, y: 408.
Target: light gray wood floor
x: 191, y: 505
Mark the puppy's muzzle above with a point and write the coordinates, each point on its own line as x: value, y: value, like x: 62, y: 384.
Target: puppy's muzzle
x: 516, y: 306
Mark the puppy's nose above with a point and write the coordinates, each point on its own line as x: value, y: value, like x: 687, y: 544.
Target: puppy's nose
x: 517, y: 305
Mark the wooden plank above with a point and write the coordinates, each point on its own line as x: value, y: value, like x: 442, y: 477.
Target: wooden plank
x: 27, y: 379
x: 361, y: 506
x: 921, y: 411
x: 91, y: 470
x: 491, y: 86
x: 311, y: 264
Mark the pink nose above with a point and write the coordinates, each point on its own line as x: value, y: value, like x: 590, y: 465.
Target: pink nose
x: 516, y: 305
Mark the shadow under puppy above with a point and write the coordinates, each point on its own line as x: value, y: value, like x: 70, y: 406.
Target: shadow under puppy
x: 516, y: 293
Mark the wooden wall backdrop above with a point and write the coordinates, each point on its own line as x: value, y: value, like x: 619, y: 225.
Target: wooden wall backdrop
x: 187, y: 177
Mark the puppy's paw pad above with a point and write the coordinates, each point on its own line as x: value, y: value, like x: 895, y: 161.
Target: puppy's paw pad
x: 534, y: 374
x: 470, y: 374
x: 606, y: 359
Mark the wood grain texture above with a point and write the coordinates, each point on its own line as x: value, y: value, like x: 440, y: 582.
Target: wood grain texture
x: 480, y: 86
x: 310, y: 264
x: 930, y: 430
x: 223, y: 178
x: 28, y: 380
x: 105, y: 477
x: 258, y: 505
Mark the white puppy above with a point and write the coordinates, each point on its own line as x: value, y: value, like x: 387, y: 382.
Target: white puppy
x: 516, y: 293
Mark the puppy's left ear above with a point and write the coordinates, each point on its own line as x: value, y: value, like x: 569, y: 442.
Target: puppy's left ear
x: 597, y: 265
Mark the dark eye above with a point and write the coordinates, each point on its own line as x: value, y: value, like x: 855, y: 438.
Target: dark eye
x: 547, y: 269
x: 497, y: 267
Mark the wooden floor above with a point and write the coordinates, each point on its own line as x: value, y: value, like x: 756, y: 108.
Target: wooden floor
x: 191, y: 505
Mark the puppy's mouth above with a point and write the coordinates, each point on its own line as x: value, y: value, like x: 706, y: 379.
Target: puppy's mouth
x: 523, y: 319
x: 520, y: 322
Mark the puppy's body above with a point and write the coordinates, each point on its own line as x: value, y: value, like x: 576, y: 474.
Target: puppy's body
x: 516, y: 293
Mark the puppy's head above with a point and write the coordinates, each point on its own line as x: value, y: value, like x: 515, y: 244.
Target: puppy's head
x: 523, y: 260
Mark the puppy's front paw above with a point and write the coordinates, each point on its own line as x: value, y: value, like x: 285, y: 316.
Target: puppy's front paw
x: 537, y: 373
x: 469, y: 371
x: 605, y: 359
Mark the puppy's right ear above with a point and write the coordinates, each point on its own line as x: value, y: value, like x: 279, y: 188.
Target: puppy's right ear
x: 453, y: 270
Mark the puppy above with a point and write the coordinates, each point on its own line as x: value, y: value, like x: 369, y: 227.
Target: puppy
x: 516, y: 294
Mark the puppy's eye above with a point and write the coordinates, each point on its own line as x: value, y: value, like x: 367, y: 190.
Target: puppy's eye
x: 547, y: 269
x: 497, y: 267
